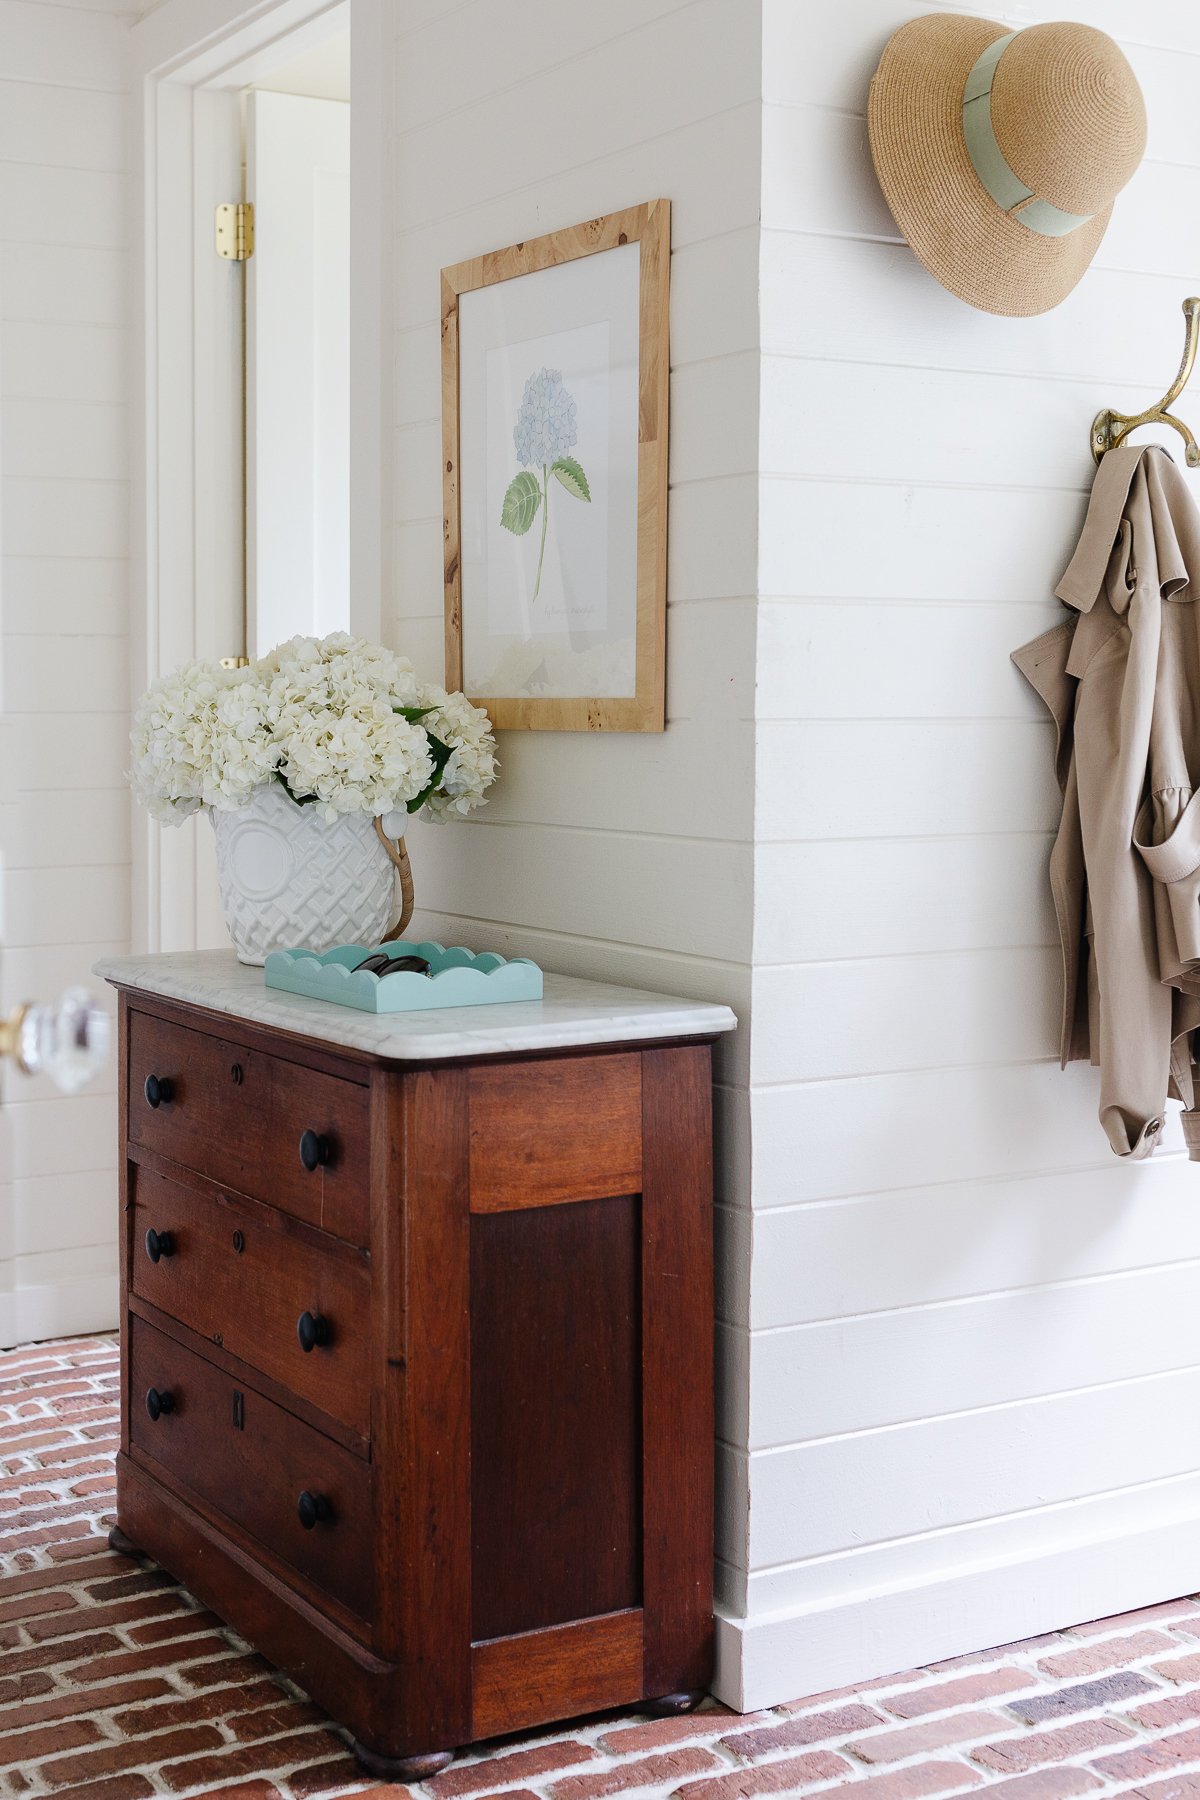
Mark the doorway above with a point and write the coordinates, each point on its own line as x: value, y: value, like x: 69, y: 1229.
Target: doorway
x: 266, y: 417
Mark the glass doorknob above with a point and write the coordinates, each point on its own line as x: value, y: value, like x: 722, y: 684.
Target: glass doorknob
x: 68, y: 1041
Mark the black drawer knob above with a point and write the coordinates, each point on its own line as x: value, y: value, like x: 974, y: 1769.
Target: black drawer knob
x: 313, y: 1509
x: 160, y: 1090
x: 158, y: 1402
x: 315, y: 1150
x: 159, y: 1243
x: 312, y: 1329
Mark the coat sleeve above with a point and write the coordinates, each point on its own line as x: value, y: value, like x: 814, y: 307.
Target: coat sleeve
x: 1043, y: 663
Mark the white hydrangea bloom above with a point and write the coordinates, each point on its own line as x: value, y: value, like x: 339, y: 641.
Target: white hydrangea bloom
x: 317, y: 714
x: 243, y: 755
x: 198, y: 740
x: 472, y: 766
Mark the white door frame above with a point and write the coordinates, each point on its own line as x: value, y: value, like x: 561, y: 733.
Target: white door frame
x: 187, y: 53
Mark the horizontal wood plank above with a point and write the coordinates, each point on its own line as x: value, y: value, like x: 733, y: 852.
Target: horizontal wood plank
x: 973, y: 775
x: 822, y: 1140
x: 569, y: 1131
x: 517, y: 1682
x: 873, y: 1486
x: 890, y: 1013
x: 805, y: 650
x: 914, y: 542
x: 989, y: 1351
x: 1018, y: 1232
x: 895, y: 896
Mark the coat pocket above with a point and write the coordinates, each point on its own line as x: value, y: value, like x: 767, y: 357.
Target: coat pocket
x: 1167, y: 837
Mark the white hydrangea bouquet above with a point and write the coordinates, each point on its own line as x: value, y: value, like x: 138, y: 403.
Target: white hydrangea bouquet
x: 309, y: 763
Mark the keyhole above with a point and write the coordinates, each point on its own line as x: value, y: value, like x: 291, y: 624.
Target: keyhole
x: 239, y: 1242
x: 236, y: 1073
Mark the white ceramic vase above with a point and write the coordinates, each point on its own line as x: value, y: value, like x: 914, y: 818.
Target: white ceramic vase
x: 289, y: 880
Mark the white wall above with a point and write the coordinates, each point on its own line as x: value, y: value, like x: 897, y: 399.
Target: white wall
x: 972, y: 1379
x: 64, y: 379
x: 620, y: 857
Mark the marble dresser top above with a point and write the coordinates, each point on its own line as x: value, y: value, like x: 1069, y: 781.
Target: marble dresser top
x: 572, y: 1011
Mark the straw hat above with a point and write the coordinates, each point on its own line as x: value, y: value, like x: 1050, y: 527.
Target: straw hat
x: 1000, y: 153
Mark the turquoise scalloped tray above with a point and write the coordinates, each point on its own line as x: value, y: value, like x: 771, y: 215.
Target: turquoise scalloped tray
x: 460, y: 977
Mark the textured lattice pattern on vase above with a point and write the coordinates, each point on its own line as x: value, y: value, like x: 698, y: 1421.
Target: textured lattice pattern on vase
x: 290, y: 880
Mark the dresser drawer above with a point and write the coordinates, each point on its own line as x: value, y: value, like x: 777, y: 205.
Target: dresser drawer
x: 238, y: 1116
x: 247, y: 1458
x: 242, y: 1277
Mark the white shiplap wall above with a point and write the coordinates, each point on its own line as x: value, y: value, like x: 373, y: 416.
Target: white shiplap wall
x: 969, y: 1408
x: 64, y: 378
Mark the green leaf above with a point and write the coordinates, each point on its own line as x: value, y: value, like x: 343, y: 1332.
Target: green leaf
x: 414, y: 714
x: 297, y: 799
x: 521, y: 502
x: 572, y: 477
x: 441, y: 754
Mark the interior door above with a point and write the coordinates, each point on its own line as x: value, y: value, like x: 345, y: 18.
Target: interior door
x: 297, y: 368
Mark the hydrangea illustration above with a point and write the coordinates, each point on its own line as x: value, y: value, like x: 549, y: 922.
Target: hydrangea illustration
x: 547, y: 428
x: 546, y: 425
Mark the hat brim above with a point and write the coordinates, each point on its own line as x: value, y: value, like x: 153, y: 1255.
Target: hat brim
x: 955, y: 228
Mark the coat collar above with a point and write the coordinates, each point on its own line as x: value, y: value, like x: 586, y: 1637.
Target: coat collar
x: 1139, y: 494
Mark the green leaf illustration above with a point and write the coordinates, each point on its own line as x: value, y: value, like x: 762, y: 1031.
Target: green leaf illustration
x: 521, y: 502
x: 572, y: 477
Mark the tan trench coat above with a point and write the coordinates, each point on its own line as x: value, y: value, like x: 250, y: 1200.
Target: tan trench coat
x: 1121, y: 678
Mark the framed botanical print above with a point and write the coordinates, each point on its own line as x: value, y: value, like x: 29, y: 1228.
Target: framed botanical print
x: 555, y: 374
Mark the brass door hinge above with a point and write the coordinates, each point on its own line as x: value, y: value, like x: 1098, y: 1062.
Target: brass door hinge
x: 235, y: 230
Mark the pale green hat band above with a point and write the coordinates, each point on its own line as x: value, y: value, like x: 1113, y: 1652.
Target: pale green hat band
x: 1007, y: 190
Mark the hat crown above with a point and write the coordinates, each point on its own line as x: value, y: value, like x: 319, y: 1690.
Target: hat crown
x: 1068, y: 115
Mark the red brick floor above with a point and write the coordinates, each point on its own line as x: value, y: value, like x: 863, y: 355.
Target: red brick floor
x: 114, y: 1683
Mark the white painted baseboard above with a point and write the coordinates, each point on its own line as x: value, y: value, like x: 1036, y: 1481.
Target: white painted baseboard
x: 58, y: 1309
x: 853, y: 1637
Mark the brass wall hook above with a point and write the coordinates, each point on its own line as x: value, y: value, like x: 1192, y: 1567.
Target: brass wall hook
x: 1109, y: 429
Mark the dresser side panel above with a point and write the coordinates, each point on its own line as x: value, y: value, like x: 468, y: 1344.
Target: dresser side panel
x: 432, y: 1567
x: 677, y: 1362
x: 556, y: 1414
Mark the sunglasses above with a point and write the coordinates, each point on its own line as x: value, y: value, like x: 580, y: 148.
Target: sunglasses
x: 380, y: 963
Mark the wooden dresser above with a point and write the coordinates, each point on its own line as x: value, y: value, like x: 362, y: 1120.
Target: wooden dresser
x: 417, y: 1343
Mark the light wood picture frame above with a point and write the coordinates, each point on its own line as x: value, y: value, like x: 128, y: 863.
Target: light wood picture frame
x: 546, y: 633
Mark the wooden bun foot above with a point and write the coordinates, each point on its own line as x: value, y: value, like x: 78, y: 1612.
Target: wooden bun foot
x: 667, y: 1706
x: 402, y: 1768
x: 120, y: 1543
